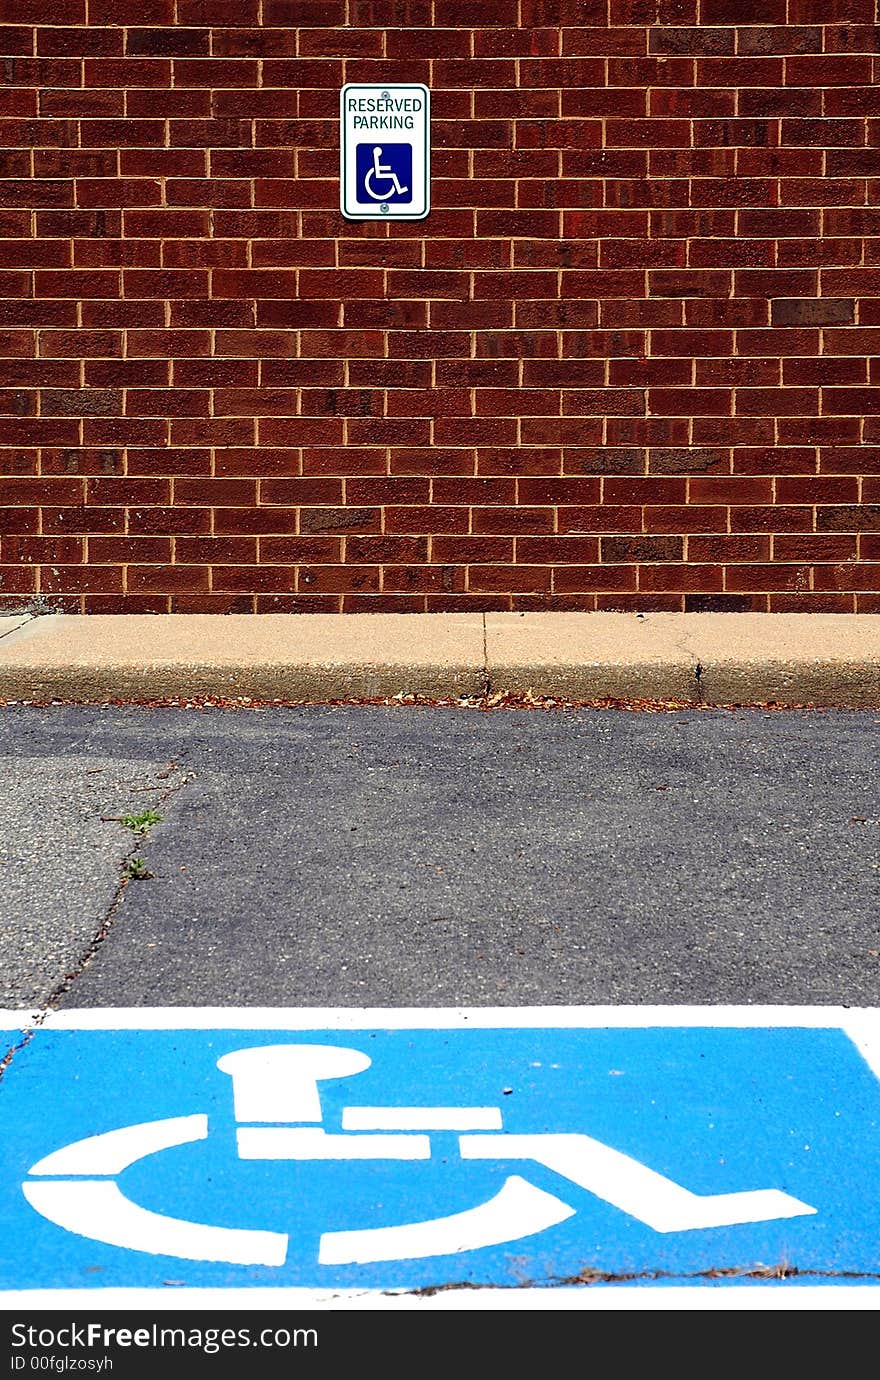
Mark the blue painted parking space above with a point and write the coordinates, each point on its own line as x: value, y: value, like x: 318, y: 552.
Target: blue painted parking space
x: 413, y: 1150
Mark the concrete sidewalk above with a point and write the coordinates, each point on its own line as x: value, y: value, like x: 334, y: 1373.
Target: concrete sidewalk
x: 787, y: 659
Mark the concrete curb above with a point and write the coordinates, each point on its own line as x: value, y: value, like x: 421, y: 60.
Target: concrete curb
x: 828, y: 660
x: 820, y: 659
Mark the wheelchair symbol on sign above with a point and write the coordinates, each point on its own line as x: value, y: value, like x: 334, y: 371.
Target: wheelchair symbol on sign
x: 384, y: 173
x: 278, y: 1116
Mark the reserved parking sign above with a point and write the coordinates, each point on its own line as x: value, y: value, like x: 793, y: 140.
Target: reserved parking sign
x: 385, y: 151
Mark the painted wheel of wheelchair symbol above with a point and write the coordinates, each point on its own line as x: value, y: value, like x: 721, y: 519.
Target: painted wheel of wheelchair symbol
x: 277, y: 1107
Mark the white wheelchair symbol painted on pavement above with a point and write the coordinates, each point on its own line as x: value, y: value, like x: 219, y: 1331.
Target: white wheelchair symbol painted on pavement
x: 278, y: 1114
x: 382, y: 172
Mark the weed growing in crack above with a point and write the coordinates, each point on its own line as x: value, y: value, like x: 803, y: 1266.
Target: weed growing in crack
x: 142, y: 823
x: 136, y: 869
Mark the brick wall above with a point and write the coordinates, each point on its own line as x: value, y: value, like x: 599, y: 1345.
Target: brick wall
x: 629, y: 361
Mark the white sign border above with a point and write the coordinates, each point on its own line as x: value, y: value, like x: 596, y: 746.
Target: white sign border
x: 378, y: 215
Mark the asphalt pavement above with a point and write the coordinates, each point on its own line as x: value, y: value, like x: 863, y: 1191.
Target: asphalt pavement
x: 438, y: 845
x: 373, y: 855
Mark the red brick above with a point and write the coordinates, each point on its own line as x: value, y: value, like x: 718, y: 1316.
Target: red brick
x: 826, y: 370
x: 826, y: 192
x: 858, y: 518
x: 110, y: 433
x: 243, y: 521
x: 128, y: 492
x: 850, y: 460
x: 213, y: 431
x: 678, y: 402
x: 339, y: 578
x: 722, y: 548
x: 309, y: 490
x: 562, y: 431
x: 19, y: 520
x: 689, y: 283
x: 498, y: 368
x: 208, y: 373
x: 120, y: 253
x: 512, y: 521
x: 18, y: 100
x: 779, y: 343
x: 738, y: 312
x: 296, y: 431
x: 468, y: 550
x: 159, y: 162
x: 41, y: 550
x: 121, y: 373
x: 827, y: 11
x: 820, y: 430
x: 737, y: 373
x: 163, y: 579
x: 123, y: 550
x: 82, y: 520
x: 820, y: 252
x: 568, y: 579
x: 415, y: 460
x: 17, y: 344
x: 110, y: 192
x: 383, y: 314
x: 850, y: 401
x: 17, y: 579
x: 165, y: 402
x: 37, y: 193
x: 737, y: 490
x: 557, y: 550
x: 319, y: 550
x: 199, y: 191
x: 764, y: 402
x: 737, y: 431
x: 222, y: 12
x: 176, y: 42
x: 257, y: 462
x: 686, y: 519
x: 164, y: 344
x: 690, y: 578
x: 444, y: 315
x: 775, y: 518
x: 601, y: 460
x: 520, y: 578
x: 422, y: 578
x: 767, y: 577
x: 651, y: 371
x: 211, y: 493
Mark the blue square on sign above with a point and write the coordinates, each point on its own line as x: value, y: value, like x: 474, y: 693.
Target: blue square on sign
x: 384, y: 172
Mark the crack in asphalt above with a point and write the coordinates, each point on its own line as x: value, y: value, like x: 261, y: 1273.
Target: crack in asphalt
x: 164, y: 794
x: 590, y: 1277
x: 39, y: 1017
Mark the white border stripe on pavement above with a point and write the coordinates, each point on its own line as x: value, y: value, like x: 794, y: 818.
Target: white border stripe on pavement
x: 861, y: 1019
